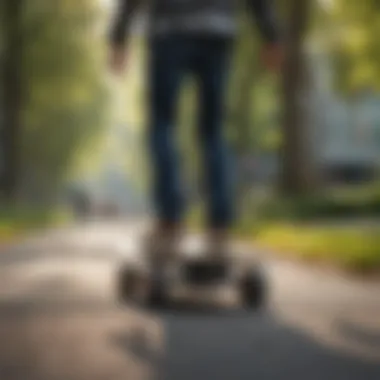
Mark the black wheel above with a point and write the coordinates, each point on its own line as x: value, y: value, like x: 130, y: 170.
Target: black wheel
x: 158, y: 290
x: 253, y: 288
x: 128, y: 281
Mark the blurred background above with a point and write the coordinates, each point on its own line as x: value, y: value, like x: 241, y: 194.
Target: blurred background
x: 306, y: 142
x: 74, y: 185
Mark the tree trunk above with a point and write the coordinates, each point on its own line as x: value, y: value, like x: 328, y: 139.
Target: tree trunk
x: 12, y: 102
x: 298, y: 175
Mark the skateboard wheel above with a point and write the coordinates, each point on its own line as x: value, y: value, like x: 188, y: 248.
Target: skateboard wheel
x: 253, y: 289
x: 158, y: 292
x: 127, y: 283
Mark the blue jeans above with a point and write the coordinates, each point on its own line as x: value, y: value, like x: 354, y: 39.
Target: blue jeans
x: 206, y: 59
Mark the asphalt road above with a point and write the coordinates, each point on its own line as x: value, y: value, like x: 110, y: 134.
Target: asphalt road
x: 59, y: 320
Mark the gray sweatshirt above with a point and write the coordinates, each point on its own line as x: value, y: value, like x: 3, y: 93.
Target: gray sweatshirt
x: 206, y: 17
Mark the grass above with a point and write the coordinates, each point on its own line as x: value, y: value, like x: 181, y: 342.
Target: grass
x: 18, y: 221
x: 325, y: 206
x: 322, y: 228
x: 353, y: 249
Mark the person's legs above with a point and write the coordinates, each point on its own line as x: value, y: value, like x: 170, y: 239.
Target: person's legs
x: 166, y: 70
x: 211, y: 70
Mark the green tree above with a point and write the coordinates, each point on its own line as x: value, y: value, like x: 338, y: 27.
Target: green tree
x: 12, y: 95
x: 298, y: 175
x: 53, y: 96
x: 65, y: 92
x: 354, y: 43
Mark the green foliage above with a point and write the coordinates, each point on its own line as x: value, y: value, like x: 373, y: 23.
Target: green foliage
x: 292, y: 232
x: 353, y: 249
x: 21, y: 219
x: 66, y: 96
x: 131, y: 115
x: 354, y: 28
x: 325, y: 206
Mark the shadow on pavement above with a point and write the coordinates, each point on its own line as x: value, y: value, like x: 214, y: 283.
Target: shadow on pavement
x: 214, y: 344
x: 359, y: 334
x: 85, y: 338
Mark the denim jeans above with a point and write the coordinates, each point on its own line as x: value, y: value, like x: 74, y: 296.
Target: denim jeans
x: 171, y: 59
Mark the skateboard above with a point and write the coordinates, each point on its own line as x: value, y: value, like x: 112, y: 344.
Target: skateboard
x: 153, y: 283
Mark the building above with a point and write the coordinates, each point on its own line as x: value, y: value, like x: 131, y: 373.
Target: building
x: 345, y: 132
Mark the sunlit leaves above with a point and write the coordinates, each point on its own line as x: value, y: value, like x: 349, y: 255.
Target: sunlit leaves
x: 358, y: 24
x: 65, y: 94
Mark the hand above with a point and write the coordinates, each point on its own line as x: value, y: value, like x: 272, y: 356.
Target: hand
x: 273, y: 57
x: 118, y: 59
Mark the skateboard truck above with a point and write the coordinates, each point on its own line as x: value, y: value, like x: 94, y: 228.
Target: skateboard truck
x: 152, y: 284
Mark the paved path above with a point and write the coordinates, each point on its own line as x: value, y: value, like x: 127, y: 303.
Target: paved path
x: 59, y: 320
